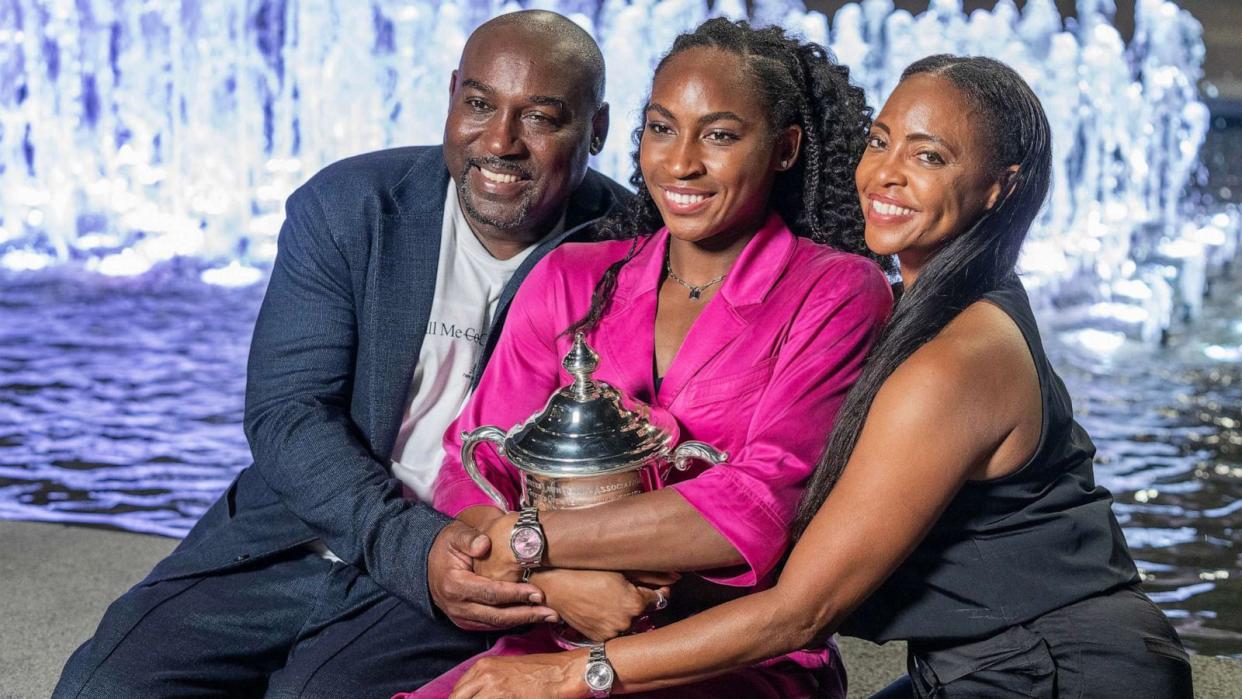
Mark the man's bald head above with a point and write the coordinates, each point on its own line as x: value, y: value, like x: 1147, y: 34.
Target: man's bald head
x: 526, y: 112
x: 555, y: 34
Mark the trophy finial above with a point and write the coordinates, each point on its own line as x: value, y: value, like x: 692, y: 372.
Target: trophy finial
x: 581, y: 362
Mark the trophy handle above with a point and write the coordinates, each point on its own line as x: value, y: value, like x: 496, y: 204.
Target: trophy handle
x: 470, y: 440
x: 702, y: 451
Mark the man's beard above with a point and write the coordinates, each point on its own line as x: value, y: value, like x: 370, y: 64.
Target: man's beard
x: 519, y: 212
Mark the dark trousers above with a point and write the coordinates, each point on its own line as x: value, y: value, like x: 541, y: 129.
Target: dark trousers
x: 295, y: 625
x: 1114, y: 645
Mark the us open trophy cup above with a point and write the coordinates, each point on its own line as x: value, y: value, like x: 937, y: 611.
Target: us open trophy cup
x: 591, y: 444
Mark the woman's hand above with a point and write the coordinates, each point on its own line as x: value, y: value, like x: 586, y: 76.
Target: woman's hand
x: 547, y: 676
x: 598, y: 604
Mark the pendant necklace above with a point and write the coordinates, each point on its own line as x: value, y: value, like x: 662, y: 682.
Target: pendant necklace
x: 695, y: 291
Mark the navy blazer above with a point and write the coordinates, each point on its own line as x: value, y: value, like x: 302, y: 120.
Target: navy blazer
x: 333, y: 354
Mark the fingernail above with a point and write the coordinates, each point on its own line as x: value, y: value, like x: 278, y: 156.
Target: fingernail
x: 478, y: 541
x: 536, y: 598
x: 551, y: 619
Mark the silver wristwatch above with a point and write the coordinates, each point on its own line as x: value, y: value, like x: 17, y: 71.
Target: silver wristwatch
x: 599, y: 673
x: 527, y: 541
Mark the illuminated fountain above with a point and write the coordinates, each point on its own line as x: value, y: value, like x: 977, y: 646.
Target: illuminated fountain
x: 142, y: 135
x: 133, y: 132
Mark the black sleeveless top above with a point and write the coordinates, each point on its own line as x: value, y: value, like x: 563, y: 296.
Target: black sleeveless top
x: 1009, y: 549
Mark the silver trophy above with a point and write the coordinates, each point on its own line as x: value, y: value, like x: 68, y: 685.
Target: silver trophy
x: 589, y: 445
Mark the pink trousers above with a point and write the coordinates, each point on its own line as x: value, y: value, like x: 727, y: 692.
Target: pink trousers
x: 779, y: 678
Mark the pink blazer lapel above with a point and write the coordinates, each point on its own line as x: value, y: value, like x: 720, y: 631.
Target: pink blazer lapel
x: 627, y: 336
x: 629, y: 329
x: 627, y: 333
x: 714, y: 330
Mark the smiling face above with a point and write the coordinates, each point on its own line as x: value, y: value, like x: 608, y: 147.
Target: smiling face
x: 708, y: 154
x: 926, y: 174
x: 521, y: 124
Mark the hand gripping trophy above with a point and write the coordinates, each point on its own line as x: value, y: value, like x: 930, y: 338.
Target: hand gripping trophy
x: 589, y: 445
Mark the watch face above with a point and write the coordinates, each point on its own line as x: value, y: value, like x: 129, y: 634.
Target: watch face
x: 527, y: 544
x: 599, y: 676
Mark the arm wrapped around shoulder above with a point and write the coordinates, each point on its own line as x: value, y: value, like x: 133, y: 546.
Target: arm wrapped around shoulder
x: 305, y: 444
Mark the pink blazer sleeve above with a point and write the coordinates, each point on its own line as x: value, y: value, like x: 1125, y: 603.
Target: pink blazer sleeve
x: 751, y: 500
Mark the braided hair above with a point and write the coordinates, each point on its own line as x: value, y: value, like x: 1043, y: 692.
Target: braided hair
x: 970, y: 265
x: 799, y: 83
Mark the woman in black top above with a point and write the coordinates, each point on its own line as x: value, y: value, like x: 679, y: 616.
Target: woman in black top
x: 955, y: 506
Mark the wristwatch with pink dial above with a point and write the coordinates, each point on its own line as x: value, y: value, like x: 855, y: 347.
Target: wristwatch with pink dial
x: 527, y: 541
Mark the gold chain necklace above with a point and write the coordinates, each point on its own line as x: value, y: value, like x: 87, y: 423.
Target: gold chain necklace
x: 695, y: 291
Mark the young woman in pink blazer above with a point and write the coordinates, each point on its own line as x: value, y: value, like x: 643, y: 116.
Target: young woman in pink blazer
x: 736, y: 300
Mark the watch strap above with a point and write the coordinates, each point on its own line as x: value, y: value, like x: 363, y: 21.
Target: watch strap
x: 528, y: 518
x: 598, y: 656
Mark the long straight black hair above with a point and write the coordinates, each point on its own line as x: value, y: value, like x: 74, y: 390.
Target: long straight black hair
x: 968, y: 266
x: 800, y: 84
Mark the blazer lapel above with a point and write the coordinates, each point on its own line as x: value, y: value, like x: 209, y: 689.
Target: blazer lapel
x: 715, y: 328
x: 592, y: 200
x: 510, y: 290
x: 627, y: 344
x: 400, y: 294
x: 625, y: 337
x: 628, y: 331
x: 721, y: 322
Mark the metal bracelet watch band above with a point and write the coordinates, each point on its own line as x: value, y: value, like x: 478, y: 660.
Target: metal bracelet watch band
x: 599, y: 675
x: 527, y: 541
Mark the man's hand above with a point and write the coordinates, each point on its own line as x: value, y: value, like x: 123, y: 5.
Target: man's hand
x: 473, y: 602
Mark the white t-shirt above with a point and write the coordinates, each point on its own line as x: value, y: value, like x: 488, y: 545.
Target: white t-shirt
x: 469, y: 282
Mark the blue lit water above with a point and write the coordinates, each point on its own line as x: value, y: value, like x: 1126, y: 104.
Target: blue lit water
x: 1168, y: 427
x: 121, y: 399
x: 121, y: 404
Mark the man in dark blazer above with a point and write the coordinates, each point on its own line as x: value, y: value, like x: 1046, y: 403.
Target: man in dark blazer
x: 313, y: 575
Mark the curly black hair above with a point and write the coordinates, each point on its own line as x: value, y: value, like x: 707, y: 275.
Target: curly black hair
x: 801, y: 84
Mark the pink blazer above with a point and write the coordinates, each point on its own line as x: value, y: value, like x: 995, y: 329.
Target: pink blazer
x: 760, y: 375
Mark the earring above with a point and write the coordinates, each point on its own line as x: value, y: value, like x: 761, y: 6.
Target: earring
x: 595, y: 145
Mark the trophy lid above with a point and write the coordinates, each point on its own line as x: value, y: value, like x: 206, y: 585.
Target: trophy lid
x: 587, y: 428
